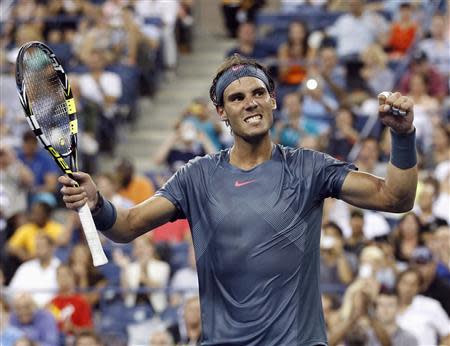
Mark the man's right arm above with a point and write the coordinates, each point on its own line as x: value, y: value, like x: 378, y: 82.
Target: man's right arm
x: 129, y: 223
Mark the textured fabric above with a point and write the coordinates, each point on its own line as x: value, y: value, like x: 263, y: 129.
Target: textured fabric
x: 256, y: 237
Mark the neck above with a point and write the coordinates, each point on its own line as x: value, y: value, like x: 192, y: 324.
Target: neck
x: 405, y: 302
x: 45, y: 262
x: 390, y: 328
x: 246, y: 155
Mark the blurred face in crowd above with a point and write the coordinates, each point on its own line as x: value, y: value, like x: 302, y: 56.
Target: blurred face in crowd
x: 44, y: 247
x: 408, y: 286
x: 143, y: 249
x: 405, y: 13
x: 87, y: 340
x: 40, y: 214
x: 426, y: 196
x: 386, y: 308
x: 357, y: 225
x: 30, y: 146
x: 409, y: 227
x: 344, y: 118
x: 356, y: 7
x: 24, y: 308
x: 65, y: 278
x: 418, y: 85
x: 247, y: 33
x: 161, y: 338
x: 328, y: 58
x: 441, y: 140
x: 292, y: 105
x: 297, y: 32
x: 438, y: 27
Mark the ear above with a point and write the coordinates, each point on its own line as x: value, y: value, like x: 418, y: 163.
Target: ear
x: 274, y: 102
x: 222, y: 113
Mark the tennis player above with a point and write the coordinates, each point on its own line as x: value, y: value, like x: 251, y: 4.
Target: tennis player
x: 255, y: 213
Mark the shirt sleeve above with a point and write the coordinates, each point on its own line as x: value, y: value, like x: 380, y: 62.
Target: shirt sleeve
x: 175, y: 191
x: 332, y: 175
x: 440, y: 320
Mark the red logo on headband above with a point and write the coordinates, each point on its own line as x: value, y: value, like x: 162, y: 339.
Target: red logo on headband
x: 236, y: 67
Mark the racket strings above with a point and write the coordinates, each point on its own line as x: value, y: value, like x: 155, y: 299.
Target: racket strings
x: 47, y: 99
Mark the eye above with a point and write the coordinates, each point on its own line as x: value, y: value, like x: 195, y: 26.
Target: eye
x: 237, y: 98
x: 260, y: 92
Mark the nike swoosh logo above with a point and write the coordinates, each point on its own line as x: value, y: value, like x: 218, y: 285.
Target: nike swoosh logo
x: 238, y: 183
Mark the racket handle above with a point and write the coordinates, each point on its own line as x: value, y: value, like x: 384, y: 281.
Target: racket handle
x: 93, y: 240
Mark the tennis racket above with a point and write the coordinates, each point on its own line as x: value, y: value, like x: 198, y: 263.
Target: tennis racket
x: 46, y: 97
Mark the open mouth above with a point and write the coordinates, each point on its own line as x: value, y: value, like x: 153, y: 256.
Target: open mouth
x: 253, y: 118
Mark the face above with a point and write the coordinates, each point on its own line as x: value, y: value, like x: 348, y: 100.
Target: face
x: 296, y: 32
x: 408, y: 286
x: 357, y: 225
x: 291, y: 103
x: 38, y: 214
x: 417, y: 85
x: 328, y: 57
x: 386, y: 308
x: 65, y: 278
x: 426, y: 196
x: 438, y: 27
x: 160, y: 338
x: 86, y: 340
x: 44, y: 249
x: 24, y: 309
x: 30, y: 146
x: 142, y: 248
x: 248, y: 108
x: 247, y: 33
x: 409, y: 227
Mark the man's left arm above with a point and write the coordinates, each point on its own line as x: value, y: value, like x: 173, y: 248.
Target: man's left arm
x: 396, y: 192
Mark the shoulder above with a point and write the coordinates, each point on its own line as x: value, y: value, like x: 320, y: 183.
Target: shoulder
x: 202, y: 163
x: 426, y: 303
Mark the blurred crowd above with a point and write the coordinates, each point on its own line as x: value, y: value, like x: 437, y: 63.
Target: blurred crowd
x: 385, y: 277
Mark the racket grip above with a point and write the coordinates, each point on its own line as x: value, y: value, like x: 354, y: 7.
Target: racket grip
x: 93, y: 240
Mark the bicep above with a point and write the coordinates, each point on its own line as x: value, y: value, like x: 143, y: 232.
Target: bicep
x: 367, y: 191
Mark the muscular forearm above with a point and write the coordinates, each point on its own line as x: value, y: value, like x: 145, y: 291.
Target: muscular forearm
x: 131, y: 223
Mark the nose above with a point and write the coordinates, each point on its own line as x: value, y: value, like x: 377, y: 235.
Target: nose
x: 251, y: 104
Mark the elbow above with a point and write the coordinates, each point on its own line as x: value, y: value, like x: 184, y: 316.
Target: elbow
x: 401, y: 205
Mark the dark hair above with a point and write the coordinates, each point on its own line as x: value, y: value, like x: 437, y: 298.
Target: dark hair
x: 388, y: 291
x: 236, y: 60
x: 304, y: 42
x: 88, y: 334
x: 357, y: 213
x: 335, y: 227
x: 409, y: 271
x: 29, y: 136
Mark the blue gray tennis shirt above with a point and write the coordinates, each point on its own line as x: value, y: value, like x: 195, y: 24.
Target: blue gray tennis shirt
x: 256, y: 236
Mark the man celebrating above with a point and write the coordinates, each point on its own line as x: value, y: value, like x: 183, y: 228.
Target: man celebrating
x: 255, y: 212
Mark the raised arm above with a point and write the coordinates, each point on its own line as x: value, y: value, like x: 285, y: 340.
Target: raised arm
x: 129, y: 223
x: 396, y: 192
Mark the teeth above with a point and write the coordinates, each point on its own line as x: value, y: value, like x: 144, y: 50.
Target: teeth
x: 253, y: 119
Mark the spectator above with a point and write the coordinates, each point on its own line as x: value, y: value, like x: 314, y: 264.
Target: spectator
x: 161, y: 338
x: 248, y: 45
x: 335, y: 263
x: 368, y: 157
x: 146, y: 272
x: 432, y: 285
x: 38, y: 276
x: 293, y: 55
x: 357, y: 241
x: 437, y: 46
x: 23, y: 242
x: 107, y: 185
x: 236, y: 12
x: 8, y: 333
x: 184, y: 282
x: 37, y: 324
x: 87, y: 278
x: 420, y: 64
x: 104, y: 89
x: 132, y: 186
x: 189, y: 329
x: 292, y: 126
x: 182, y: 145
x: 428, y: 193
x: 422, y: 316
x: 167, y: 11
x: 375, y: 72
x: 40, y: 163
x: 368, y: 25
x: 403, y: 33
x: 386, y: 308
x: 440, y: 147
x: 373, y: 264
x: 16, y: 180
x: 344, y: 135
x: 407, y: 237
x: 87, y: 338
x: 184, y: 26
x: 200, y: 115
x: 24, y: 341
x: 332, y: 73
x: 70, y: 309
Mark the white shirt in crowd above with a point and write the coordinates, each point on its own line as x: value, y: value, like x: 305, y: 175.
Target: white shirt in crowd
x: 426, y: 320
x: 40, y: 282
x: 186, y: 279
x: 109, y: 85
